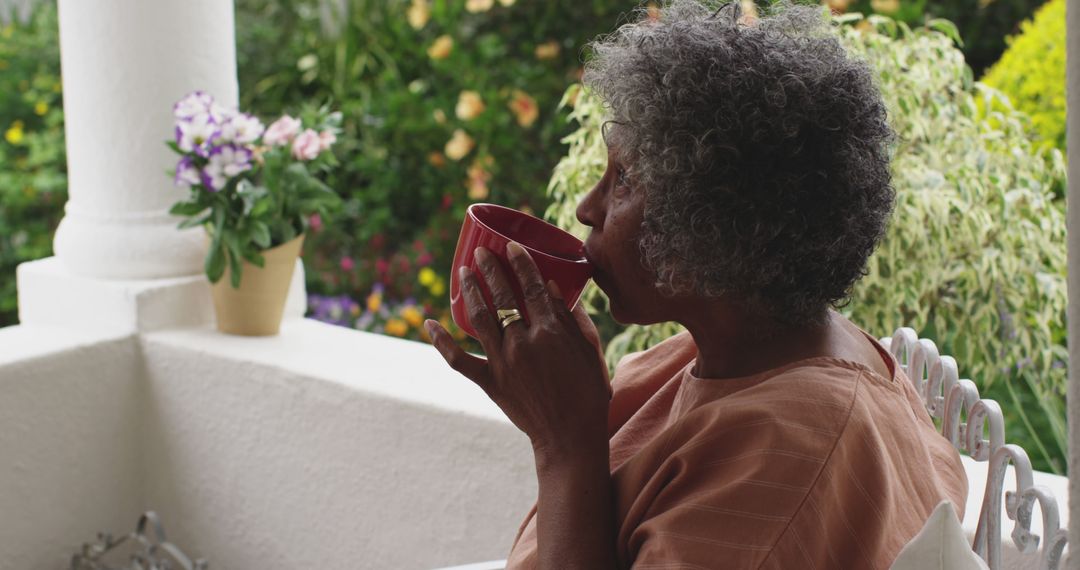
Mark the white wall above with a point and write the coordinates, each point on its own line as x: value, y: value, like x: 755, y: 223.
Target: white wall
x: 327, y: 448
x: 69, y: 443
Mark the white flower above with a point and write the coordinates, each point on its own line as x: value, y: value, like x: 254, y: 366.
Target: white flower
x: 282, y: 131
x: 192, y: 135
x: 225, y: 162
x: 307, y: 145
x: 241, y: 128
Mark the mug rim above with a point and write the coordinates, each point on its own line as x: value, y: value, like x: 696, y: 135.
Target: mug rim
x: 469, y: 212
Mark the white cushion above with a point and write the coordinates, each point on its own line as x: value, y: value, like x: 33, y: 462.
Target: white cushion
x: 940, y: 545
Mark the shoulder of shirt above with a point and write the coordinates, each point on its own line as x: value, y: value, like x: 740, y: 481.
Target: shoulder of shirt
x: 814, y: 399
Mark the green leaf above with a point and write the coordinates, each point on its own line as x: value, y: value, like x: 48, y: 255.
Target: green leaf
x: 235, y: 267
x: 175, y: 147
x: 215, y: 262
x: 255, y: 258
x: 193, y: 222
x: 260, y: 234
x: 948, y: 28
x: 187, y: 208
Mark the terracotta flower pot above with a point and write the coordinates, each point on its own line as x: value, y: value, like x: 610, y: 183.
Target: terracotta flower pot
x: 255, y: 309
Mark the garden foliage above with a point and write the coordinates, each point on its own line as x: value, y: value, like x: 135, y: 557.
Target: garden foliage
x: 445, y: 103
x: 975, y: 255
x: 1032, y: 72
x: 33, y: 166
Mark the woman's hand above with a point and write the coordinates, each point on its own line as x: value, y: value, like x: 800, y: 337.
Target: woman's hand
x: 548, y: 374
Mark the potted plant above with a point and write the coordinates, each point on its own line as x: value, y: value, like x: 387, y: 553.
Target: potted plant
x: 253, y: 189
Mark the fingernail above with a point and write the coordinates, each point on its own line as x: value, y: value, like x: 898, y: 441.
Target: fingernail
x: 481, y: 254
x: 514, y: 249
x: 553, y: 289
x: 429, y: 325
x: 463, y: 272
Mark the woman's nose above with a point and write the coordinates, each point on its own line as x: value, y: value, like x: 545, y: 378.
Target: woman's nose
x: 586, y: 210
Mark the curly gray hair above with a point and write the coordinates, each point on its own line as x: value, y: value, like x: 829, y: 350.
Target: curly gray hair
x: 762, y: 147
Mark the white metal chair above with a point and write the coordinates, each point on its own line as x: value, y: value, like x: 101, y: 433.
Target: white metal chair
x: 976, y: 427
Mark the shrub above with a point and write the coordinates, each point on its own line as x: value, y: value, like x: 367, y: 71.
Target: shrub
x: 982, y: 24
x: 444, y: 104
x: 1032, y: 72
x: 975, y: 254
x: 33, y: 179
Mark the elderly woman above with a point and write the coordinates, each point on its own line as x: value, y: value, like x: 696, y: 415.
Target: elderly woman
x: 747, y: 184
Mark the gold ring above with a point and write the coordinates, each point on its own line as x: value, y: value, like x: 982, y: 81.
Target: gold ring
x: 507, y: 316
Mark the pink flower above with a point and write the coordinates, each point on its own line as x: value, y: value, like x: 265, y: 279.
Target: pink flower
x: 326, y: 138
x: 347, y: 263
x: 306, y: 145
x: 282, y: 131
x: 315, y: 222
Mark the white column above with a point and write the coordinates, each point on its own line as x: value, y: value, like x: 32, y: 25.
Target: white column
x: 124, y: 64
x: 1072, y: 72
x: 121, y: 263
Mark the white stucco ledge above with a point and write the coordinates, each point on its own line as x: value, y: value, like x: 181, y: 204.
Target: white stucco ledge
x: 51, y: 294
x: 326, y: 447
x: 322, y: 447
x: 404, y: 370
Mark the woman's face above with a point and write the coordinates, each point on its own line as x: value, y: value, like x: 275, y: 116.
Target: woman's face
x: 615, y: 210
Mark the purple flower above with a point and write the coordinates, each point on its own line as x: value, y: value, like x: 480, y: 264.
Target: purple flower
x: 187, y: 174
x: 225, y: 162
x: 194, y: 104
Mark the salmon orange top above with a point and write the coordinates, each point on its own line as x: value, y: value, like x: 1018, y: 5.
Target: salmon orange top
x: 822, y: 463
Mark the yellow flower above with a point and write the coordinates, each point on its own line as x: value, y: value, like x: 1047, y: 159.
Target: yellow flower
x: 749, y: 12
x: 396, y: 327
x: 524, y: 108
x: 507, y: 2
x: 477, y: 181
x: 418, y: 14
x: 427, y: 276
x: 438, y: 287
x: 374, y: 301
x: 439, y: 115
x: 459, y: 145
x: 837, y: 6
x: 7, y: 31
x: 441, y: 47
x: 413, y: 316
x: 476, y: 6
x: 469, y: 105
x: 886, y: 7
x: 15, y: 134
x: 654, y: 11
x: 41, y: 107
x: 547, y: 50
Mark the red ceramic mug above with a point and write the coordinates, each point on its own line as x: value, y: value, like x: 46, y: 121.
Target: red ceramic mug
x: 559, y: 256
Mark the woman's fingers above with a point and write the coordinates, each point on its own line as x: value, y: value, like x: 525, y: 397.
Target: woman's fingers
x: 472, y: 367
x: 585, y: 323
x: 481, y: 318
x: 537, y: 299
x: 502, y: 294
